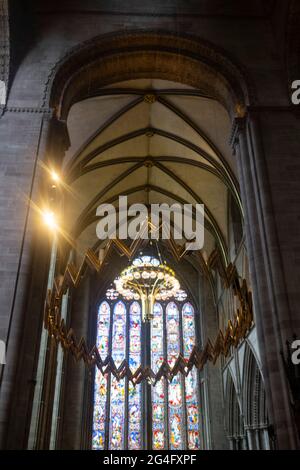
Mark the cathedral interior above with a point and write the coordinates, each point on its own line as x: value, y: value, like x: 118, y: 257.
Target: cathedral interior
x: 137, y: 343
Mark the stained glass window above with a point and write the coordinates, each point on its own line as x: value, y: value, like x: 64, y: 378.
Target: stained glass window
x: 158, y: 392
x: 134, y: 393
x: 119, y: 414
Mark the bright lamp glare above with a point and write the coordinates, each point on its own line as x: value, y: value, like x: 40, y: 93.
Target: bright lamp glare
x: 49, y: 219
x: 55, y: 176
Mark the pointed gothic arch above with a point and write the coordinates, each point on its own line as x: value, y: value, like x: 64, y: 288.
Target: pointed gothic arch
x: 234, y: 421
x: 121, y: 56
x: 254, y: 403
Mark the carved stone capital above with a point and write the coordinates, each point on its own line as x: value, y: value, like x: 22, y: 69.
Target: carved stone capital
x: 238, y: 126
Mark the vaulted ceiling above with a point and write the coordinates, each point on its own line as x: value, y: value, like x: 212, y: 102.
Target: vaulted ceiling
x: 155, y: 141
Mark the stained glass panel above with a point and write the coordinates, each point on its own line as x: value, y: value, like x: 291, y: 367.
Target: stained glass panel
x: 191, y: 381
x: 119, y: 333
x: 157, y: 336
x: 135, y: 393
x: 176, y: 413
x: 99, y: 410
x: 158, y: 415
x: 100, y: 386
x: 158, y: 391
x: 192, y: 409
x: 178, y: 401
x: 117, y: 414
x: 117, y: 391
x: 188, y: 329
x: 103, y: 322
x: 173, y: 336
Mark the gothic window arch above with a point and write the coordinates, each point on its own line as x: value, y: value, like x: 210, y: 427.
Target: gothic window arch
x: 234, y: 420
x: 122, y: 418
x: 254, y: 400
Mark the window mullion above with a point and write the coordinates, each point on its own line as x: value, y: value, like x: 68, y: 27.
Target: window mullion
x: 126, y: 415
x: 108, y: 384
x: 143, y: 386
x: 184, y: 408
x: 167, y: 439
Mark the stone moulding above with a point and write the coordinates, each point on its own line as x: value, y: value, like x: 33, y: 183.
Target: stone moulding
x: 119, y: 56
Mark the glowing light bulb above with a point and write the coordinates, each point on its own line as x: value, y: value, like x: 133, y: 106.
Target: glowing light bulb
x: 49, y: 219
x: 55, y: 177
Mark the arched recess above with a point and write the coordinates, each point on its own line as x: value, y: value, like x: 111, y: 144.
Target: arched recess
x: 254, y: 404
x: 234, y: 422
x: 109, y: 59
x: 121, y: 56
x: 185, y: 59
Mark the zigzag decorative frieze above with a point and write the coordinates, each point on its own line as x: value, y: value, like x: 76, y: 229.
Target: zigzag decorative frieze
x: 72, y: 276
x: 236, y: 330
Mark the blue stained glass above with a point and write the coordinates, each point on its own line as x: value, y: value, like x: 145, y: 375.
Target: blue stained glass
x: 135, y: 329
x: 98, y: 440
x: 135, y: 392
x: 173, y: 335
x: 176, y: 412
x: 192, y: 410
x: 158, y: 415
x: 134, y: 417
x: 158, y: 391
x: 103, y: 323
x: 100, y: 386
x: 119, y: 333
x: 188, y: 329
x: 117, y: 410
x: 164, y: 394
x: 99, y: 415
x: 157, y: 336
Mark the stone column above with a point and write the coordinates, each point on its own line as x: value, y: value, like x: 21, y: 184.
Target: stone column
x: 25, y: 262
x: 266, y: 439
x: 250, y: 439
x: 74, y: 375
x: 272, y: 310
x: 212, y: 374
x: 25, y: 250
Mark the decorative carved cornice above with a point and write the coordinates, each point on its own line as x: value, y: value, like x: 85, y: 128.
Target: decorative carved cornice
x: 238, y: 126
x: 86, y: 56
x: 24, y: 109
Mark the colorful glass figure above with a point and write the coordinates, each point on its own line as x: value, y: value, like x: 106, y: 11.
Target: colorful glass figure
x: 135, y: 392
x: 175, y: 405
x: 100, y: 386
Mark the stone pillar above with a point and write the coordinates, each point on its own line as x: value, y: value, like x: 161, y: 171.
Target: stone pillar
x: 266, y: 440
x: 273, y: 317
x: 250, y: 439
x: 24, y: 250
x: 24, y: 262
x: 212, y: 374
x: 257, y: 439
x: 231, y: 443
x: 244, y: 443
x: 75, y: 374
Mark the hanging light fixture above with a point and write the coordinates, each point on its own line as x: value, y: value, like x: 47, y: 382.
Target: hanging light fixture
x: 147, y: 279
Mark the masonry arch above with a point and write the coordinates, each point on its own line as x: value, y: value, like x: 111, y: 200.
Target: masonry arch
x: 120, y: 65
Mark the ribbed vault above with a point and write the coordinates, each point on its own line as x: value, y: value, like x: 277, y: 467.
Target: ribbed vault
x: 154, y: 141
